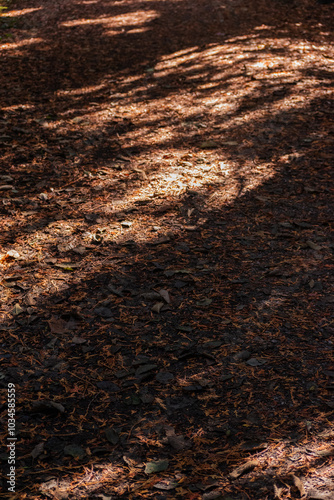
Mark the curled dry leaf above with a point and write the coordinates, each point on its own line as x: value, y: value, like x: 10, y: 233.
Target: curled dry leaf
x: 256, y: 362
x: 313, y: 245
x: 298, y: 483
x: 157, y: 307
x: 151, y: 296
x: 17, y: 309
x: 178, y: 443
x: 38, y: 450
x: 57, y: 325
x: 112, y: 435
x: 13, y: 254
x: 165, y: 295
x: 166, y: 484
x: 209, y: 144
x: 78, y: 340
x: 75, y: 451
x: 278, y: 492
x: 159, y: 466
x: 239, y: 471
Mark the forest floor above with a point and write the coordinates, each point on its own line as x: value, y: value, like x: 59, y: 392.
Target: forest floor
x: 166, y: 204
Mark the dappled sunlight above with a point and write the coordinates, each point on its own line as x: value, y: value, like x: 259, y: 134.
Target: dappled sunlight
x: 21, y: 12
x: 216, y: 103
x: 18, y: 107
x: 134, y: 31
x: 81, y: 91
x: 215, y: 75
x: 166, y: 292
x: 124, y: 20
x: 284, y: 459
x: 244, y: 69
x: 180, y: 53
x: 12, y: 45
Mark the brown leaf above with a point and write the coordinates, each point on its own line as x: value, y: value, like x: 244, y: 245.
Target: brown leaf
x: 314, y: 494
x: 313, y: 245
x: 209, y: 144
x: 278, y: 492
x: 78, y: 340
x: 177, y: 442
x: 165, y: 295
x: 213, y: 495
x: 327, y: 452
x: 80, y: 249
x: 160, y: 241
x: 157, y: 307
x: 239, y: 471
x: 30, y: 300
x: 298, y: 483
x: 38, y: 450
x: 57, y: 325
x: 164, y: 208
x: 166, y: 484
x: 151, y: 296
x: 13, y: 254
x: 17, y: 309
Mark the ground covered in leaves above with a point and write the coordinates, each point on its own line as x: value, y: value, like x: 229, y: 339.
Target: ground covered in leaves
x: 166, y: 258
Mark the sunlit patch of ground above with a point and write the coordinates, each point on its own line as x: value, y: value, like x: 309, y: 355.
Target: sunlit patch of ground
x: 10, y: 45
x: 126, y: 144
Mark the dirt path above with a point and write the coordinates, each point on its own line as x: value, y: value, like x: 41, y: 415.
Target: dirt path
x: 166, y: 204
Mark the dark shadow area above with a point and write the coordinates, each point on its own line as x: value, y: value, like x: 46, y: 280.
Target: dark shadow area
x: 143, y: 322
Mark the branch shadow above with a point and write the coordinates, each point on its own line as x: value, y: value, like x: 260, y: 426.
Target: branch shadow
x: 246, y: 261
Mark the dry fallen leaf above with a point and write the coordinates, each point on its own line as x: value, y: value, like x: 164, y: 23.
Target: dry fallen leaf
x: 165, y: 295
x: 157, y: 307
x: 278, y: 492
x: 57, y: 325
x: 239, y: 471
x: 38, y: 450
x: 17, y: 309
x: 78, y: 340
x: 313, y: 245
x: 13, y: 254
x: 298, y: 483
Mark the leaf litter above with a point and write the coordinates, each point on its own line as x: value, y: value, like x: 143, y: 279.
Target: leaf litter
x: 166, y: 253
